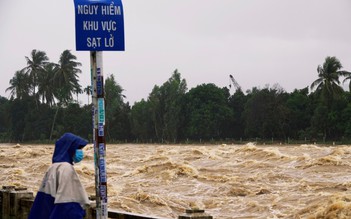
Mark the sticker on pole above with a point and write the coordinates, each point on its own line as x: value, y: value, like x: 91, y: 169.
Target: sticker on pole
x: 99, y: 25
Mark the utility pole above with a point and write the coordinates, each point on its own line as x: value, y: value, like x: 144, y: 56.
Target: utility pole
x: 98, y: 100
x: 99, y: 27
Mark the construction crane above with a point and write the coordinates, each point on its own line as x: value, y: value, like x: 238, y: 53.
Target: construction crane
x: 233, y: 81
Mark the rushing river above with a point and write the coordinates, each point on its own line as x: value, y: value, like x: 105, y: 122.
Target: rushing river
x: 228, y: 181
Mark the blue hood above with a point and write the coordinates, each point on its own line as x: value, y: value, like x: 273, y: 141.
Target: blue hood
x: 66, y: 146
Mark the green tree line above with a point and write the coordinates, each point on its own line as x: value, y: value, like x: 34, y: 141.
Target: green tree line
x: 42, y: 106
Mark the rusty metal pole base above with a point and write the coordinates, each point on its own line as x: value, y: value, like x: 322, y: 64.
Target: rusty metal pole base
x: 195, y: 214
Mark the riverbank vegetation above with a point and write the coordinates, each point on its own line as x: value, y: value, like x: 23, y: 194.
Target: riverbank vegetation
x: 42, y: 105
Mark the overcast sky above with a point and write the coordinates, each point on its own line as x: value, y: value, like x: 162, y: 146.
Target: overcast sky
x: 259, y: 42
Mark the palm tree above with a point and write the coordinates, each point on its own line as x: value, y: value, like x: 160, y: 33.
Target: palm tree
x: 66, y: 76
x: 88, y: 91
x: 35, y: 64
x: 328, y: 79
x: 65, y: 81
x: 20, y: 85
x: 46, y: 88
x: 327, y: 85
x: 77, y: 89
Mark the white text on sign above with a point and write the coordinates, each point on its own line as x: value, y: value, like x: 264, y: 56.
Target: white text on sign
x: 104, y: 9
x: 94, y: 25
x: 95, y: 42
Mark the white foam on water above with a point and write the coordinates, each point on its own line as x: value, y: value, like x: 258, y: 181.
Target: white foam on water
x: 228, y: 181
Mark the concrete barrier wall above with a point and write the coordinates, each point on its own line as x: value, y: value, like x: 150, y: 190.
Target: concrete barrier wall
x: 10, y: 202
x: 15, y: 203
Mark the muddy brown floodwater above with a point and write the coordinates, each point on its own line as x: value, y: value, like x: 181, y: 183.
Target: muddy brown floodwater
x: 228, y: 181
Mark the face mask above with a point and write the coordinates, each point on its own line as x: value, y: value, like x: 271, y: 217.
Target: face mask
x: 78, y: 156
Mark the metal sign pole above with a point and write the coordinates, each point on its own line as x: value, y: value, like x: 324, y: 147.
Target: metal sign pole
x: 98, y: 100
x: 99, y: 27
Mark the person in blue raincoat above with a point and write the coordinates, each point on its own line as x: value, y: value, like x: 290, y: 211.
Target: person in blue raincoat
x: 61, y: 194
